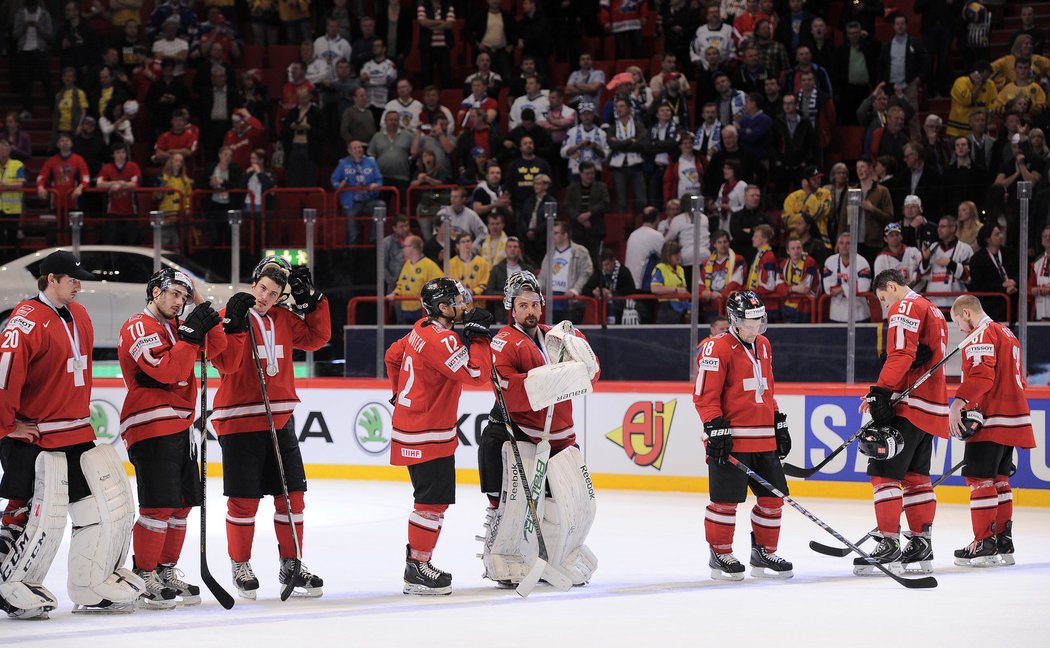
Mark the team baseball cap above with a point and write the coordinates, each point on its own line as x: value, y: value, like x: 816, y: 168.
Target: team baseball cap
x: 812, y: 171
x: 913, y: 200
x: 586, y: 106
x: 892, y: 228
x: 476, y: 151
x: 62, y: 262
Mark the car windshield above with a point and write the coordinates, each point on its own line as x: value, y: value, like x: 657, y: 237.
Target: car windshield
x: 196, y: 269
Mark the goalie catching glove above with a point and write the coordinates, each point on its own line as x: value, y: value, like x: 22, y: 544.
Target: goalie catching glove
x: 562, y: 344
x: 304, y: 296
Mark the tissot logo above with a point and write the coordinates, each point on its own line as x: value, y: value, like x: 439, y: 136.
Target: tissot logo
x: 646, y: 428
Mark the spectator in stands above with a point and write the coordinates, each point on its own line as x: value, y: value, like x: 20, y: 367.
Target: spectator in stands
x: 476, y: 167
x: 681, y: 228
x: 12, y: 180
x: 357, y: 170
x: 836, y: 279
x: 377, y: 75
x: 18, y: 139
x: 811, y: 200
x: 821, y: 45
x: 664, y: 136
x: 391, y: 147
x: 480, y: 135
x: 523, y: 170
x: 219, y: 178
x: 1023, y: 94
x: 1004, y: 68
x: 483, y: 70
x: 296, y: 79
x: 415, y: 274
x: 514, y: 261
x: 123, y: 12
x: 491, y: 196
x: 745, y: 166
x: 331, y: 46
x: 440, y: 143
x: 763, y: 276
x: 567, y: 273
x: 429, y: 174
x: 32, y: 32
x: 668, y: 281
x: 916, y: 230
x: 585, y: 84
x: 302, y: 134
x: 541, y: 139
x: 132, y: 48
x: 945, y: 263
x: 1030, y: 28
x: 217, y: 104
x: 493, y: 31
x: 69, y: 105
x: 431, y: 107
x: 586, y: 204
x: 265, y: 21
x: 903, y: 60
x: 708, y: 138
x: 744, y: 214
x: 534, y: 37
x: 171, y: 46
x: 337, y: 94
x: 818, y: 107
x: 628, y: 140
x: 889, y: 140
x: 407, y: 108
x: 182, y: 138
x: 316, y: 69
x: 755, y: 129
x: 728, y: 100
x: 88, y: 144
x: 720, y: 275
x: 173, y: 202
x: 247, y: 134
x: 295, y: 20
x: 528, y: 68
x: 964, y: 178
x: 970, y: 92
x: 105, y: 93
x: 531, y: 219
x: 981, y: 144
x: 393, y: 252
x: 585, y: 142
x: 468, y: 268
x: 1021, y: 167
x: 534, y: 99
x: 436, y: 19
x: 218, y: 30
x: 1002, y: 150
x: 801, y: 276
x: 183, y: 15
x: 645, y: 244
x: 794, y: 140
x: 715, y: 33
x: 876, y: 211
x: 974, y: 31
x: 938, y: 152
x: 492, y: 246
x: 624, y: 19
x: 804, y: 60
x: 772, y: 54
x: 839, y: 190
x: 968, y: 224
x: 669, y: 72
x: 924, y: 181
x: 805, y: 230
x: 855, y: 71
x: 394, y: 26
x: 79, y: 45
x: 794, y: 25
x: 612, y: 279
x: 751, y: 75
x: 1039, y: 278
x: 358, y: 122
x: 165, y: 96
x: 257, y: 180
x: 478, y: 99
x: 683, y: 176
x: 898, y: 256
x: 873, y: 113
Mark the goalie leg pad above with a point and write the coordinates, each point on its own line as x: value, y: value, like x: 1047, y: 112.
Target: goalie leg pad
x: 102, y: 525
x: 24, y: 567
x: 569, y: 514
x: 508, y: 554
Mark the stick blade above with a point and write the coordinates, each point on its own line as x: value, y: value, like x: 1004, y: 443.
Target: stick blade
x: 220, y: 594
x: 838, y: 552
x: 531, y: 579
x: 795, y: 471
x: 286, y: 593
x: 926, y: 582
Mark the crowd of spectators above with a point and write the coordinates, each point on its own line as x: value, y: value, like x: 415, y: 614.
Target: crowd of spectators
x: 633, y: 118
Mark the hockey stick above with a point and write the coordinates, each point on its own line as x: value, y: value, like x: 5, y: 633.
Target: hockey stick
x: 220, y: 594
x: 795, y: 471
x: 298, y: 563
x: 843, y: 552
x: 531, y: 579
x: 911, y: 583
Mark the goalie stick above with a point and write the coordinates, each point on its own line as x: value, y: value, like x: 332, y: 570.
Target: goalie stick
x: 842, y: 552
x: 220, y: 594
x: 795, y: 471
x: 297, y: 564
x: 528, y: 583
x: 911, y: 583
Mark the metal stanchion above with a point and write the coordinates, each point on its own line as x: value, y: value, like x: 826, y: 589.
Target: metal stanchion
x: 694, y: 288
x: 234, y: 218
x: 1024, y: 195
x: 550, y: 214
x: 853, y: 200
x: 310, y: 218
x: 379, y: 218
x: 156, y: 220
x: 446, y: 241
x: 76, y: 224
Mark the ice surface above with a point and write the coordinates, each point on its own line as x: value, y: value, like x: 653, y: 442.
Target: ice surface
x: 652, y: 587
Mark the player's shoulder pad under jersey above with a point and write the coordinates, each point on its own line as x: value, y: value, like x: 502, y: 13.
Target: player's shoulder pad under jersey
x: 500, y: 340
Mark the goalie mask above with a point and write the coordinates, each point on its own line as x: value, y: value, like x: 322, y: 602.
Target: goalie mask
x: 518, y: 282
x: 443, y: 291
x: 282, y: 265
x: 881, y: 442
x: 166, y: 278
x: 746, y: 305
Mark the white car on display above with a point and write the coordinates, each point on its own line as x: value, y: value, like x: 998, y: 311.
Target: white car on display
x: 119, y: 288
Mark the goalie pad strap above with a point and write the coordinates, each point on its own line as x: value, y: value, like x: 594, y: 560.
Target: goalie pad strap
x: 569, y: 514
x: 34, y: 550
x: 551, y: 384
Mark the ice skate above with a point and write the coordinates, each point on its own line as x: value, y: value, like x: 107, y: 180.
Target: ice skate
x: 424, y: 579
x: 766, y: 564
x: 244, y: 579
x: 170, y: 577
x: 725, y: 567
x: 917, y: 556
x: 979, y: 553
x: 887, y: 553
x: 307, y: 585
x: 158, y: 596
x: 1005, y: 542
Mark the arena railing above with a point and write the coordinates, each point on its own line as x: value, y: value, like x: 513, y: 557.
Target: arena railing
x: 590, y: 306
x: 337, y: 229
x: 281, y: 215
x: 215, y: 229
x: 39, y: 223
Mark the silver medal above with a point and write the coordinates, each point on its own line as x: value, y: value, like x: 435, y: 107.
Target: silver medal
x: 271, y: 370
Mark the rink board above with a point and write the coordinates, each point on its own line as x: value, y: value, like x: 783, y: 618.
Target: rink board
x: 643, y: 435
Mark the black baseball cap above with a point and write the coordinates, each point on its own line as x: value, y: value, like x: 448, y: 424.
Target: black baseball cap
x: 62, y: 262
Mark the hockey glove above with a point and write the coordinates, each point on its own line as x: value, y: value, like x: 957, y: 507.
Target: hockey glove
x: 476, y: 325
x: 719, y: 440
x: 780, y: 429
x: 972, y: 422
x: 922, y: 355
x: 143, y: 379
x: 196, y: 326
x: 879, y: 405
x: 236, y: 319
x: 304, y: 296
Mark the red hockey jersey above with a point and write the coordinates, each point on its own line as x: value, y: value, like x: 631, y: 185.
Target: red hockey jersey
x: 238, y: 402
x: 427, y: 369
x: 514, y: 354
x: 147, y: 345
x: 913, y: 320
x: 994, y: 384
x: 42, y: 378
x: 736, y: 383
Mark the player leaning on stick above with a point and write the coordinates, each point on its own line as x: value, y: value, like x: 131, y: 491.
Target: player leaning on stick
x: 248, y: 456
x: 50, y: 463
x: 990, y: 412
x: 526, y: 354
x: 900, y: 442
x: 427, y: 369
x: 734, y: 396
x: 157, y: 354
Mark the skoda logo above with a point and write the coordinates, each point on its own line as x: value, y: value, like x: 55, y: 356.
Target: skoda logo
x: 105, y: 420
x: 372, y: 426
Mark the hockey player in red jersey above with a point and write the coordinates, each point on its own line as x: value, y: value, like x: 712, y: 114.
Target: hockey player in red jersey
x: 990, y: 412
x: 427, y: 369
x: 900, y: 442
x: 157, y: 354
x: 50, y: 463
x: 535, y: 361
x: 249, y: 461
x: 734, y: 397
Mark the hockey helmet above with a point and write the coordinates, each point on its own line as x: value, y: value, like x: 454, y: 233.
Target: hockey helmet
x: 517, y: 283
x: 165, y: 278
x: 282, y: 266
x: 881, y: 443
x: 746, y: 305
x: 442, y: 291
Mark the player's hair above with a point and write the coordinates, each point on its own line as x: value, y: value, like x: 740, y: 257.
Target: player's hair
x: 41, y: 281
x: 274, y: 274
x: 883, y: 279
x: 968, y: 301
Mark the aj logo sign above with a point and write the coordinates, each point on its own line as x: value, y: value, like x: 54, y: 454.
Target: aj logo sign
x: 646, y: 427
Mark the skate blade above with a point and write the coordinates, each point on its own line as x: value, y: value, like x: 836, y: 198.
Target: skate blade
x: 980, y: 562
x: 871, y: 570
x: 506, y: 584
x: 423, y: 590
x: 765, y: 572
x: 247, y: 594
x: 162, y: 605
x: 718, y: 574
x: 924, y: 567
x: 112, y: 608
x: 1008, y: 559
x: 307, y: 592
x: 189, y: 600
x: 36, y: 614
